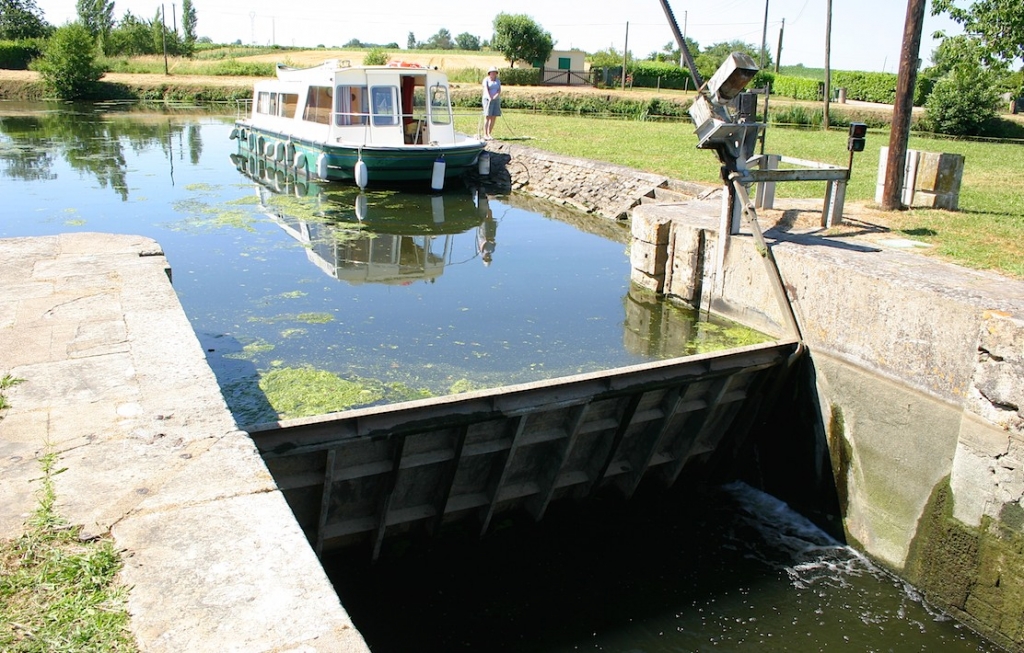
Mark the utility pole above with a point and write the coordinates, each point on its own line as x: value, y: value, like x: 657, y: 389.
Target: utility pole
x: 682, y: 57
x: 901, y: 113
x: 828, y: 56
x: 778, y: 51
x: 764, y: 34
x: 174, y: 17
x: 625, y: 57
x: 163, y: 35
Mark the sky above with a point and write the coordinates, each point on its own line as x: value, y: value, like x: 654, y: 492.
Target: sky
x: 866, y: 34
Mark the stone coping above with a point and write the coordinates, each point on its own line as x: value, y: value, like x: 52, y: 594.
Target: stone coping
x: 117, y: 385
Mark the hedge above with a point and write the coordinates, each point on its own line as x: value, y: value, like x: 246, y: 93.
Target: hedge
x: 16, y: 55
x: 798, y: 88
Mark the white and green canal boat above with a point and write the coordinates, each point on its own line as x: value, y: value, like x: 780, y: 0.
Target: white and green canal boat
x: 362, y: 123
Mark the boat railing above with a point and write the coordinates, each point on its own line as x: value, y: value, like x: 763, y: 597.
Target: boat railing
x: 243, y: 108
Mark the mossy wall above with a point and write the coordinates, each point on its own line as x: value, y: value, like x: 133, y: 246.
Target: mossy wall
x: 975, y: 573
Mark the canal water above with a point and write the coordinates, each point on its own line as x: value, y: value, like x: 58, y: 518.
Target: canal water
x: 309, y: 298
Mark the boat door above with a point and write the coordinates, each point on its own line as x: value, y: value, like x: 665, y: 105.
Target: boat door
x: 439, y: 107
x: 385, y: 107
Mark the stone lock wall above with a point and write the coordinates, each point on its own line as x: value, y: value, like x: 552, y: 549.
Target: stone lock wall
x: 919, y: 368
x: 601, y: 189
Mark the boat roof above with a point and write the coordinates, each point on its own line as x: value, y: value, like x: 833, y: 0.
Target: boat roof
x: 329, y: 68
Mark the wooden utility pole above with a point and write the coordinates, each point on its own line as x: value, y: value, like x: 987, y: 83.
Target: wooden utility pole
x: 778, y: 51
x: 828, y: 58
x: 163, y: 35
x: 764, y: 35
x: 625, y: 57
x: 901, y: 113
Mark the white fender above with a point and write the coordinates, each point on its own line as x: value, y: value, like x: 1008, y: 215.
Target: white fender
x: 279, y: 153
x: 361, y: 207
x: 299, y: 163
x: 361, y: 174
x: 268, y: 150
x: 483, y: 164
x: 437, y: 208
x: 321, y: 166
x: 234, y: 134
x: 437, y: 178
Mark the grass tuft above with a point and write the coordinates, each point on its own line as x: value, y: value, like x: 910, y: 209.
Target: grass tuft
x: 58, y: 593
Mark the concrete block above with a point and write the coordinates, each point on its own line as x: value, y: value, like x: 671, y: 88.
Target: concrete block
x: 655, y: 283
x: 651, y: 228
x: 648, y: 257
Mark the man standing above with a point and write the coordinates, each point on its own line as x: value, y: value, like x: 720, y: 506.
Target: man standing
x: 491, y: 101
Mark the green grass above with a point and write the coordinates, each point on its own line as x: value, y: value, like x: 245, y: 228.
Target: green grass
x: 986, y: 233
x: 57, y: 592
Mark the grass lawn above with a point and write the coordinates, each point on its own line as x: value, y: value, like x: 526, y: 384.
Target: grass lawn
x: 986, y: 233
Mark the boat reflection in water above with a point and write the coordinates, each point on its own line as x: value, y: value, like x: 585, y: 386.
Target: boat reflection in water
x: 380, y: 237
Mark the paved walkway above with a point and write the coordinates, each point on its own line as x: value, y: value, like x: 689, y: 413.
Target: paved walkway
x: 116, y: 383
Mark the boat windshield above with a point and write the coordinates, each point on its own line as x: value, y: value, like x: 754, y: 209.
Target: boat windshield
x: 440, y: 107
x: 384, y: 104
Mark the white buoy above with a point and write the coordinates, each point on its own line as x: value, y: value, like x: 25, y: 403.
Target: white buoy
x: 361, y: 207
x: 321, y: 166
x: 361, y: 174
x: 437, y: 208
x: 437, y: 178
x: 483, y: 164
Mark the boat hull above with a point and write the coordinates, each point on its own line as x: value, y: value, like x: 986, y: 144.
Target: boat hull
x: 338, y: 161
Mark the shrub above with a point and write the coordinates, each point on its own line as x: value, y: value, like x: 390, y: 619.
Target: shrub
x: 798, y: 88
x: 519, y: 76
x: 68, y: 65
x: 661, y: 74
x: 376, y: 57
x: 16, y: 55
x: 963, y: 103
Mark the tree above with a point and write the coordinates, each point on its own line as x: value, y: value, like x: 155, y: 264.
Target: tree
x: 410, y: 43
x: 21, y: 19
x: 997, y: 24
x: 440, y: 41
x: 610, y: 58
x: 467, y: 41
x: 132, y: 36
x: 68, y: 65
x: 188, y: 28
x: 98, y: 18
x: 518, y: 38
x: 712, y: 57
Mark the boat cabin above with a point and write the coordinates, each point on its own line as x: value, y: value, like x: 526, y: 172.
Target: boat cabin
x: 385, y: 106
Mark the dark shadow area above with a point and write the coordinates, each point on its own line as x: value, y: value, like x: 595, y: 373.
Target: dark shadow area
x: 587, y: 570
x: 921, y: 231
x: 790, y: 455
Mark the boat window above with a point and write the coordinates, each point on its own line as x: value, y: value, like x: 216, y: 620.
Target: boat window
x: 352, y: 106
x: 277, y: 104
x: 288, y: 103
x: 318, y: 104
x: 440, y: 108
x: 266, y: 103
x: 384, y: 105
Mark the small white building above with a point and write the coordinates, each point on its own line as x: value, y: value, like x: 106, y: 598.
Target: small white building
x: 566, y: 67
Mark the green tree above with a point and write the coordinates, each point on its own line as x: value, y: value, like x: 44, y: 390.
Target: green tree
x: 188, y: 28
x: 610, y: 58
x: 162, y: 36
x: 68, y: 65
x: 519, y: 38
x: 467, y: 41
x: 440, y: 41
x: 714, y: 55
x: 98, y: 18
x: 21, y: 19
x: 997, y: 24
x: 410, y: 43
x: 132, y: 36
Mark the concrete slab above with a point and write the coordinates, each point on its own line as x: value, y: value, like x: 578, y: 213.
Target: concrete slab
x: 116, y: 383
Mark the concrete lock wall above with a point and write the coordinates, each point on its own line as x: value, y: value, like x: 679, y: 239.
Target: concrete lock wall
x: 920, y: 374
x: 919, y: 368
x: 931, y: 179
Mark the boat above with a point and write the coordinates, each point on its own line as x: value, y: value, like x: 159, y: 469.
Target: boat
x: 364, y: 124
